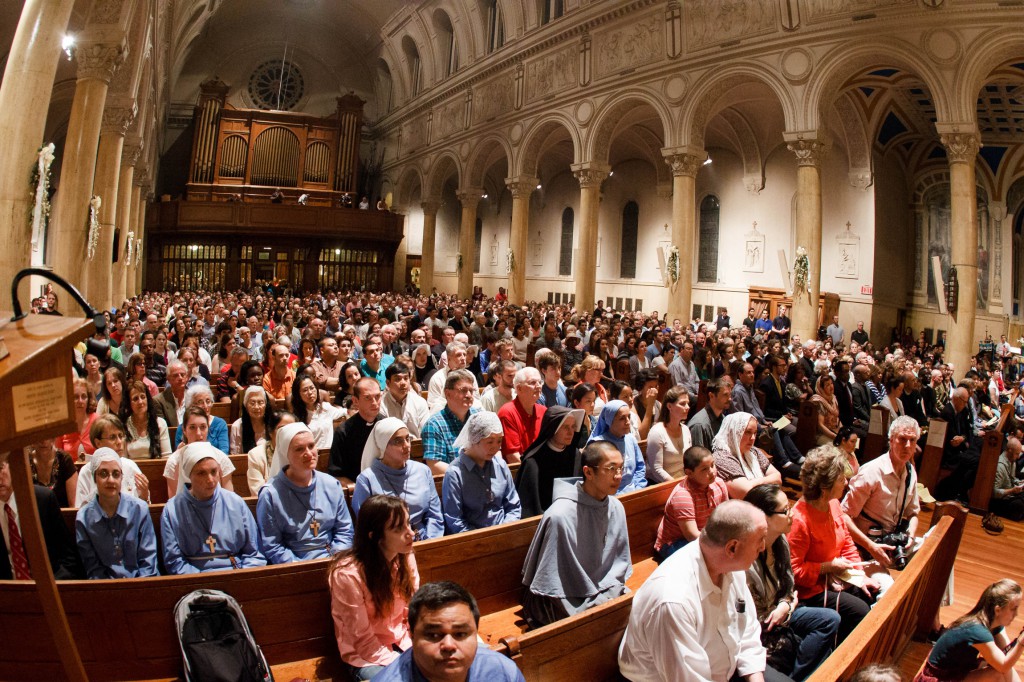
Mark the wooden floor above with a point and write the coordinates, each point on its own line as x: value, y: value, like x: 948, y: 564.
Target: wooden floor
x: 982, y: 560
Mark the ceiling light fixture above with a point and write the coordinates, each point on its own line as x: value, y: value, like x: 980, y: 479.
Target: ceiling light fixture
x: 67, y: 44
x: 707, y: 161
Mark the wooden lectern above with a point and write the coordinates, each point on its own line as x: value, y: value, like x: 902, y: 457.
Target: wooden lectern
x: 38, y: 403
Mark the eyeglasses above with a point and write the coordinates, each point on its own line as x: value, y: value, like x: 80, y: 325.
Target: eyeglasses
x: 115, y: 436
x: 105, y: 473
x: 788, y: 511
x: 612, y: 469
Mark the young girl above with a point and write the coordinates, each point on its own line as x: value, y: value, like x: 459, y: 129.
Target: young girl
x: 371, y: 586
x: 979, y: 637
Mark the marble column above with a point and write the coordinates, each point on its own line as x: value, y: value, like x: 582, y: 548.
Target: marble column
x: 685, y: 164
x: 96, y: 65
x: 427, y: 267
x: 590, y: 176
x: 962, y: 143
x: 521, y: 188
x: 125, y: 191
x: 809, y: 152
x: 24, y: 99
x: 115, y: 125
x: 469, y: 198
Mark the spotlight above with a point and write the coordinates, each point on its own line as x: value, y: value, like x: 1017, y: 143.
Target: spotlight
x: 707, y: 161
x: 68, y: 45
x: 538, y: 186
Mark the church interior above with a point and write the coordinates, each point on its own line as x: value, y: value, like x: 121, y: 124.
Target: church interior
x: 857, y: 157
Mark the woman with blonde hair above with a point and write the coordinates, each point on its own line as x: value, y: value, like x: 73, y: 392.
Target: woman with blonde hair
x: 975, y: 646
x: 77, y: 443
x: 591, y: 371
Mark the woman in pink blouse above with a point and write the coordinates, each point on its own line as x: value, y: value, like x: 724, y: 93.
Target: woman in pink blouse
x: 371, y: 585
x: 821, y: 548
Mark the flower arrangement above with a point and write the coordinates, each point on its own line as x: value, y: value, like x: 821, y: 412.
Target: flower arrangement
x: 94, y: 225
x: 510, y: 262
x: 40, y: 181
x: 129, y: 245
x: 138, y: 251
x: 801, y: 271
x: 673, y: 266
x: 458, y: 261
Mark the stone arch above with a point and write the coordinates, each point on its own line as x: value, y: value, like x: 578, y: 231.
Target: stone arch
x: 846, y: 61
x: 611, y: 115
x: 440, y: 170
x: 986, y: 53
x: 749, y: 149
x: 483, y: 155
x: 856, y: 142
x: 410, y: 179
x: 538, y: 134
x: 708, y: 92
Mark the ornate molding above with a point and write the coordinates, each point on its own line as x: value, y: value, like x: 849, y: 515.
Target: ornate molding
x: 754, y: 183
x: 685, y: 164
x: 809, y: 152
x: 99, y: 60
x: 961, y: 147
x: 861, y: 178
x: 521, y: 188
x: 130, y: 154
x: 590, y: 177
x: 469, y: 198
x: 118, y: 120
x: 430, y: 206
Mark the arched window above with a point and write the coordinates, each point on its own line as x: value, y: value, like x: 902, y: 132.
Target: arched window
x: 478, y: 238
x: 565, y: 250
x: 449, y: 50
x: 412, y: 58
x: 550, y: 10
x: 707, y: 255
x: 495, y: 25
x: 385, y: 89
x: 630, y: 231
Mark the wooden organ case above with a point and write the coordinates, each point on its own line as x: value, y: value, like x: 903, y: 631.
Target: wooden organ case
x: 248, y: 153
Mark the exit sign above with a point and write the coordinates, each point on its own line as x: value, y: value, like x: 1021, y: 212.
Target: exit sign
x: 867, y: 289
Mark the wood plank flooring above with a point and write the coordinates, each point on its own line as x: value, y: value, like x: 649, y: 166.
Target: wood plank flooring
x: 982, y: 560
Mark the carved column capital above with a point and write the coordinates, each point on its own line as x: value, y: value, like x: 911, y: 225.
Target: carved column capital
x: 521, y: 187
x: 430, y: 206
x: 961, y: 147
x: 99, y: 60
x: 685, y: 163
x: 118, y: 120
x: 590, y: 174
x: 808, y: 151
x: 469, y: 197
x: 130, y: 154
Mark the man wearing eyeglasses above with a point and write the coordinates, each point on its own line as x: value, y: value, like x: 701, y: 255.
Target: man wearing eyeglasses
x: 883, y: 494
x: 521, y: 417
x: 579, y: 556
x: 441, y: 430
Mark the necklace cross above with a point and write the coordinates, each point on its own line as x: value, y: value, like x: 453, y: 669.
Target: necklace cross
x: 211, y: 542
x: 314, y: 526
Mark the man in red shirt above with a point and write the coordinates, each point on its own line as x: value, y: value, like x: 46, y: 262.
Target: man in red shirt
x: 521, y: 417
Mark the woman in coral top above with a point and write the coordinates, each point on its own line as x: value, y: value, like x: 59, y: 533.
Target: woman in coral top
x: 77, y: 443
x: 371, y: 586
x: 822, y: 550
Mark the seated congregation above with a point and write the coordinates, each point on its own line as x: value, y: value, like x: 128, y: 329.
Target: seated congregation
x: 354, y: 441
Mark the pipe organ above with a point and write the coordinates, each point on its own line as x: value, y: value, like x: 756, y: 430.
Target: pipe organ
x: 245, y: 154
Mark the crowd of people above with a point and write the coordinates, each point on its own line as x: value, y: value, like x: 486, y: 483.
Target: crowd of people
x: 539, y: 410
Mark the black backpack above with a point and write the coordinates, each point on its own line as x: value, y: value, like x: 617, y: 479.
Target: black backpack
x: 216, y: 643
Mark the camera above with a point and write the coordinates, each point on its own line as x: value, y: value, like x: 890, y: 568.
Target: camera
x: 898, y: 538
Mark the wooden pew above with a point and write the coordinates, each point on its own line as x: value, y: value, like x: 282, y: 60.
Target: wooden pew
x: 908, y: 608
x: 806, y: 434
x: 222, y: 410
x: 984, y: 481
x: 877, y: 440
x: 288, y: 607
x: 930, y: 468
x: 585, y: 646
x: 702, y: 397
x: 621, y: 370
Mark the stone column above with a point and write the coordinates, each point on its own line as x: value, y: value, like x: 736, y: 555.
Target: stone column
x: 809, y: 152
x: 125, y: 192
x: 96, y: 65
x: 427, y: 267
x: 521, y: 188
x: 962, y: 143
x: 590, y: 176
x: 24, y: 99
x: 108, y: 173
x: 469, y: 198
x: 138, y: 221
x: 685, y: 164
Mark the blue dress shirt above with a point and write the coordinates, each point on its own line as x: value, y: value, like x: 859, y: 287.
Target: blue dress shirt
x: 478, y: 497
x: 118, y: 546
x: 414, y: 484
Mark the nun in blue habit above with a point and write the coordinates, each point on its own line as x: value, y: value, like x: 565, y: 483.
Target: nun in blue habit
x: 613, y: 426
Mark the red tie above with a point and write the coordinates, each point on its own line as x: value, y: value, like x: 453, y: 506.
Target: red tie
x: 18, y: 558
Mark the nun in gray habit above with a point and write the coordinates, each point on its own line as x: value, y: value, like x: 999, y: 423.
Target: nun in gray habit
x: 579, y: 556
